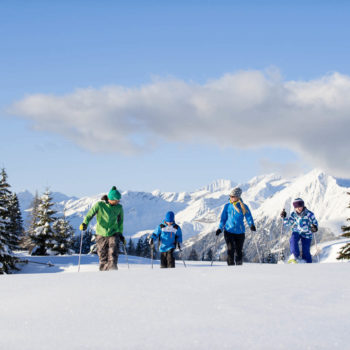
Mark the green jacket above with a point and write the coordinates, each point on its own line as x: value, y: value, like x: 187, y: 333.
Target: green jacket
x: 109, y: 218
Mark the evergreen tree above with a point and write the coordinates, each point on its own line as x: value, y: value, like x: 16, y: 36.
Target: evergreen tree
x: 193, y: 255
x: 7, y: 259
x: 269, y: 259
x: 146, y: 248
x: 139, y: 247
x: 209, y: 254
x: 16, y: 223
x: 26, y: 242
x: 131, y: 247
x: 93, y: 245
x: 42, y: 235
x: 86, y: 245
x: 344, y: 252
x: 63, y: 234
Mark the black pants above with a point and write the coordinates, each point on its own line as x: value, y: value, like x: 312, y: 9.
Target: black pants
x: 167, y: 259
x: 234, y: 244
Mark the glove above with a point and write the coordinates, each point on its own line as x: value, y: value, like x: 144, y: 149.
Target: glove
x: 121, y: 238
x: 314, y: 228
x: 178, y: 245
x: 218, y: 231
x: 252, y: 228
x: 283, y: 214
x: 83, y: 227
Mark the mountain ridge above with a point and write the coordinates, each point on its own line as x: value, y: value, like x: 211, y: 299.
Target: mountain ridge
x: 198, y: 212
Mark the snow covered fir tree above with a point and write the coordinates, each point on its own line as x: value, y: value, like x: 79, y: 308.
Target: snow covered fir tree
x: 26, y: 242
x: 48, y: 234
x: 16, y: 222
x: 42, y: 234
x: 63, y: 237
x: 344, y: 252
x: 10, y: 225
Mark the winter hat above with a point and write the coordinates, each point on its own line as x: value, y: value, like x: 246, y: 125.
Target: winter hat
x: 169, y: 217
x: 298, y: 202
x: 114, y: 194
x: 236, y: 192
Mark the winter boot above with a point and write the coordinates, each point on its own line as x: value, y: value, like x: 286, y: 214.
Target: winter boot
x: 112, y: 267
x: 103, y: 267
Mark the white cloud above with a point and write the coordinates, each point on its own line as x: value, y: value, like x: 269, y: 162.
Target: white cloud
x: 247, y: 109
x: 286, y: 170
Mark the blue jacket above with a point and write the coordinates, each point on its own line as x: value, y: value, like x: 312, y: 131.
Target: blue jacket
x: 301, y: 223
x: 168, y: 235
x: 233, y: 220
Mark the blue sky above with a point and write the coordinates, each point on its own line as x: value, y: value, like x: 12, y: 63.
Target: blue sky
x: 57, y: 48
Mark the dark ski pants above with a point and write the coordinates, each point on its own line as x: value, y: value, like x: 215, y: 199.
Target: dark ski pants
x: 305, y: 246
x: 234, y: 244
x: 167, y: 259
x: 108, y: 250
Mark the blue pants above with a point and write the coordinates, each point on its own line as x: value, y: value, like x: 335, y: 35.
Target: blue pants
x: 305, y: 245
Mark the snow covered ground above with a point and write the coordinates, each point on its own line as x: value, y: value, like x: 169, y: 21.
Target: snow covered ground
x: 253, y: 306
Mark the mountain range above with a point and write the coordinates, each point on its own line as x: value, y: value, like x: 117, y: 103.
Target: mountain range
x: 198, y: 212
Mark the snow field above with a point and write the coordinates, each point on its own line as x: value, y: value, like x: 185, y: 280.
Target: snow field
x: 252, y: 306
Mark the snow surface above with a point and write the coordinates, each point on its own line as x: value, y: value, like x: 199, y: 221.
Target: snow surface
x: 252, y: 306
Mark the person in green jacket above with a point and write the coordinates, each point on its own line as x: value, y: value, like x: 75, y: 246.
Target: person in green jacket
x: 109, y: 230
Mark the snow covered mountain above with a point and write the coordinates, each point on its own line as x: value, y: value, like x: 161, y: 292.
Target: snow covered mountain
x: 198, y: 212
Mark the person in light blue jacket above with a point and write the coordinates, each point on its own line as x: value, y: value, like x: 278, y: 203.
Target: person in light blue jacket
x: 304, y: 224
x: 232, y: 222
x: 170, y: 237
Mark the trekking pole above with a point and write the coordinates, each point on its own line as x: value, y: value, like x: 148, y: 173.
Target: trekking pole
x: 318, y: 258
x: 81, y: 245
x: 212, y: 258
x: 126, y: 255
x: 151, y: 243
x: 152, y: 247
x: 280, y: 242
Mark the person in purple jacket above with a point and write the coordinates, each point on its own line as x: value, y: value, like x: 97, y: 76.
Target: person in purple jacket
x: 303, y: 224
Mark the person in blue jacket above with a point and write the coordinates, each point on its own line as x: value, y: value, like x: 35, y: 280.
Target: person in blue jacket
x: 304, y: 224
x: 232, y: 222
x: 170, y: 236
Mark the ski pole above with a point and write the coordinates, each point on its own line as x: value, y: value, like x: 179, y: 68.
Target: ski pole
x: 81, y: 245
x: 280, y: 242
x: 126, y: 255
x: 212, y: 257
x: 318, y: 258
x: 152, y: 247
